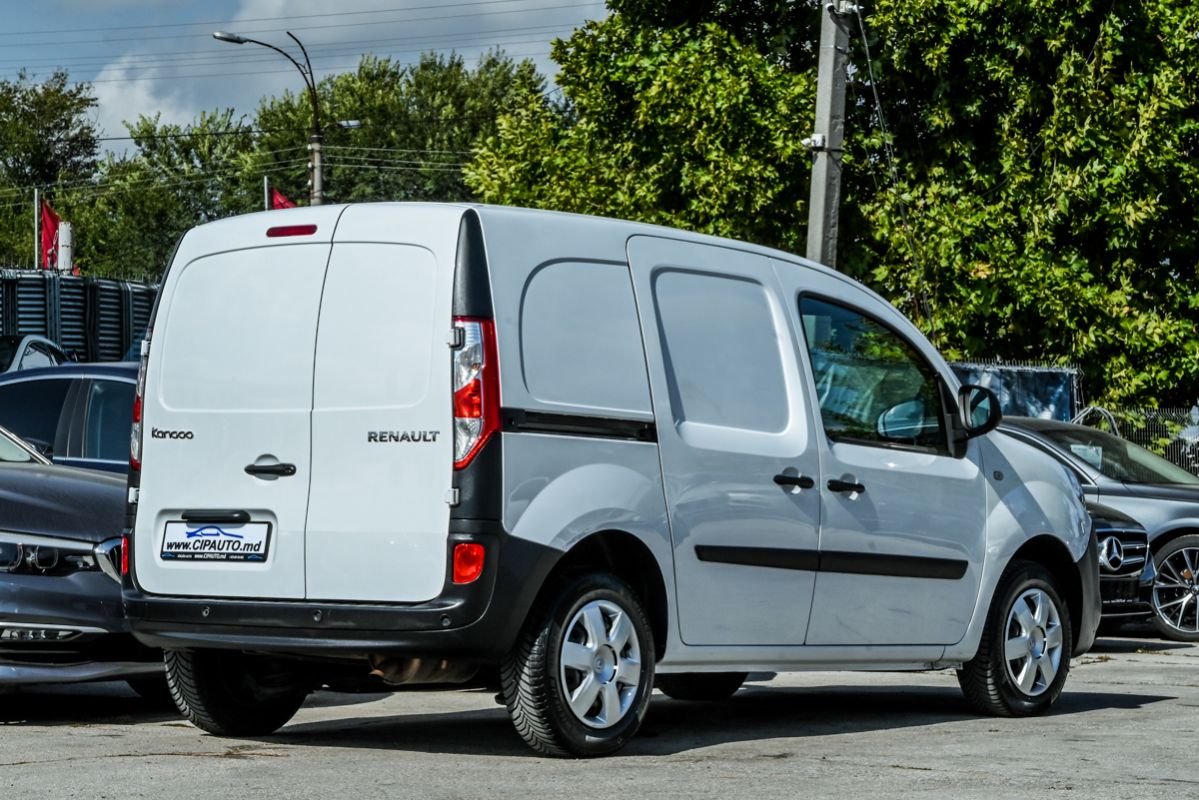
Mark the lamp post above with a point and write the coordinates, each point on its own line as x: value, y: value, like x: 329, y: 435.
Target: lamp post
x: 316, y: 180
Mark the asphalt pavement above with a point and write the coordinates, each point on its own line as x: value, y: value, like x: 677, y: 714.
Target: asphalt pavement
x: 1125, y: 726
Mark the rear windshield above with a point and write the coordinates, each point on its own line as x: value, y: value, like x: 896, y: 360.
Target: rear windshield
x: 1118, y: 458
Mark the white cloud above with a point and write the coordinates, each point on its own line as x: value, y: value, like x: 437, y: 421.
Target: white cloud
x: 223, y: 75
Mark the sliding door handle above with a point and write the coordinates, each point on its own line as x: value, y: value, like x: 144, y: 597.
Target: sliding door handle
x: 835, y: 485
x: 802, y: 481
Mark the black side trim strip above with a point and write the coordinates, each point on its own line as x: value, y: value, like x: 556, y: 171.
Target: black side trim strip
x: 780, y: 557
x: 518, y: 420
x: 848, y: 563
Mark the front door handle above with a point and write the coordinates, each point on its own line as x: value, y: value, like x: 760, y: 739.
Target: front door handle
x: 278, y: 470
x: 835, y: 485
x: 802, y: 481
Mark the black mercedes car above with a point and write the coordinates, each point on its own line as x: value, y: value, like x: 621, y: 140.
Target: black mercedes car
x: 61, y: 616
x: 1126, y: 572
x: 1161, y: 496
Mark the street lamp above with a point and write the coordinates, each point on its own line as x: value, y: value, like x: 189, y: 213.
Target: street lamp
x: 314, y: 141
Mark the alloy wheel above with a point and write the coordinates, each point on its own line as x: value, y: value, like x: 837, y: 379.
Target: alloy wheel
x: 1033, y: 642
x: 600, y: 664
x: 1176, y: 590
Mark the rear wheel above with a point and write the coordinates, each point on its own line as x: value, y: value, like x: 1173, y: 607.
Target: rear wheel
x: 579, y: 680
x: 701, y: 685
x: 1024, y: 655
x: 1176, y: 590
x: 233, y: 694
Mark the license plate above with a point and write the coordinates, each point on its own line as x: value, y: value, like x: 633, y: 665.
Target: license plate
x: 184, y: 541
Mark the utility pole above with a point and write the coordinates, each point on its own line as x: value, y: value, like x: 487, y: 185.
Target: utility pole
x: 828, y: 135
x: 266, y: 193
x: 316, y: 179
x: 37, y: 229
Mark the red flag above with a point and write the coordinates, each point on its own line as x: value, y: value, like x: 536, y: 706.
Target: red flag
x: 50, y: 222
x: 279, y: 200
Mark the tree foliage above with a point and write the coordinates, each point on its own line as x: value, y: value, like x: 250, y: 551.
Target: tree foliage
x: 1046, y: 199
x: 416, y: 127
x: 666, y: 125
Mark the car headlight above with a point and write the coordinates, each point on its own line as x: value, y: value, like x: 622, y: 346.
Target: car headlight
x: 39, y: 555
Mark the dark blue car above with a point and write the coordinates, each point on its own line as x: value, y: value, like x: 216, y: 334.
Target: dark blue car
x: 76, y: 415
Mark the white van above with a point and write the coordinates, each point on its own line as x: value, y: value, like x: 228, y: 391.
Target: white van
x: 569, y: 457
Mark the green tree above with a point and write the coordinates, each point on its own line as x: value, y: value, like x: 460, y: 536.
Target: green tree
x: 1047, y: 190
x: 416, y: 127
x: 46, y: 132
x: 667, y: 125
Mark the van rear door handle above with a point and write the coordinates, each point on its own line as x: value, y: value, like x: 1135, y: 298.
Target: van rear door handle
x: 802, y: 481
x: 278, y: 470
x: 835, y: 485
x: 216, y: 516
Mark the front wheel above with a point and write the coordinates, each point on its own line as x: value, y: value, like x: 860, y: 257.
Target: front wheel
x: 233, y: 694
x: 1176, y: 590
x: 579, y: 679
x: 1024, y: 655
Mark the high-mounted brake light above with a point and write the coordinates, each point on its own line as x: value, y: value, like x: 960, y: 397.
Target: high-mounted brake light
x: 135, y: 433
x: 476, y: 388
x: 290, y: 230
x: 468, y: 562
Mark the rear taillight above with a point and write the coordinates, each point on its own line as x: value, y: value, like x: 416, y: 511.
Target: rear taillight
x: 476, y: 388
x: 468, y: 562
x: 124, y: 556
x: 135, y: 433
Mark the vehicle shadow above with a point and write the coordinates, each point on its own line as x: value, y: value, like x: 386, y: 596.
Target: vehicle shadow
x: 1127, y: 643
x: 110, y: 703
x: 673, y: 727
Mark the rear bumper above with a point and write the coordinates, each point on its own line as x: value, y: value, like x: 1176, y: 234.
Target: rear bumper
x: 1092, y: 604
x: 480, y: 620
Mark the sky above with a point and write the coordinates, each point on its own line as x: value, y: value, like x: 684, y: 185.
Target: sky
x: 158, y: 56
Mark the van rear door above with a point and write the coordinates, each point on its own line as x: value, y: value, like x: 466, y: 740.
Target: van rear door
x: 382, y: 435
x: 227, y: 410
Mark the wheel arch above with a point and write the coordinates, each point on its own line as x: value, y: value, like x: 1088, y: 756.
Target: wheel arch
x: 628, y: 558
x: 1164, y: 538
x: 1051, y: 553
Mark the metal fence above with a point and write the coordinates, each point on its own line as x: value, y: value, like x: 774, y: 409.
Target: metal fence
x: 96, y: 318
x: 1170, y: 432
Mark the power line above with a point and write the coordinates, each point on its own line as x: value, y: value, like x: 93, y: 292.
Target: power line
x: 324, y: 69
x: 217, y: 54
x: 333, y: 26
x: 57, y: 31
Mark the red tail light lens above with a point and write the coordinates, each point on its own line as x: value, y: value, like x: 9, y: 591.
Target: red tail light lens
x: 468, y: 562
x: 290, y: 230
x: 124, y: 555
x: 135, y: 433
x: 476, y: 388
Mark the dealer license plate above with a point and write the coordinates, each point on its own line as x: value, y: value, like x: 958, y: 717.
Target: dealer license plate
x: 184, y: 541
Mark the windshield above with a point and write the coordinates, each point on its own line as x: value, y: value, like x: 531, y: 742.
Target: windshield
x: 1118, y: 458
x: 13, y: 453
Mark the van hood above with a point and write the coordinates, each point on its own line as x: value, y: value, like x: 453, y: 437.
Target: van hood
x: 62, y: 502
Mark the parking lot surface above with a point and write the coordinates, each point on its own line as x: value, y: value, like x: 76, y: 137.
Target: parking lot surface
x: 1126, y: 726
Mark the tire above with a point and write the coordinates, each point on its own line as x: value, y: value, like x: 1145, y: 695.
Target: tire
x: 704, y: 686
x: 589, y: 639
x: 1176, y: 590
x: 233, y: 694
x: 1027, y: 613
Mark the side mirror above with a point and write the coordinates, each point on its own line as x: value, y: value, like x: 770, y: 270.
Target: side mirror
x: 902, y: 421
x: 978, y: 410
